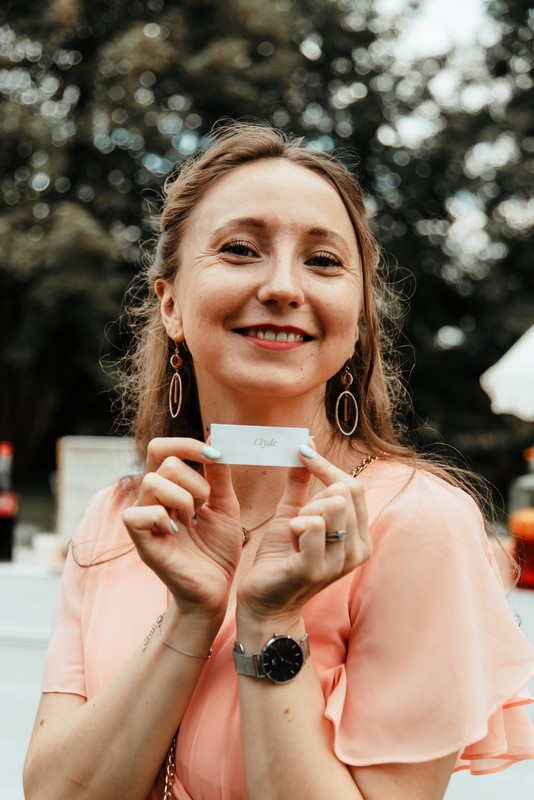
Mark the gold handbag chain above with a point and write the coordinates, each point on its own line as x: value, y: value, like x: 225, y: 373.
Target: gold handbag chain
x: 171, y: 770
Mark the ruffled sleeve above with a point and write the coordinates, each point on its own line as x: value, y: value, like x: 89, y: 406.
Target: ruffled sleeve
x: 65, y: 665
x: 436, y: 662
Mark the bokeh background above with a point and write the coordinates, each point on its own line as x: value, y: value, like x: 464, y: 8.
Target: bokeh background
x: 100, y: 100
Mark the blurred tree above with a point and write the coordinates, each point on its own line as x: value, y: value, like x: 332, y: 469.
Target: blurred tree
x: 99, y: 100
x: 464, y: 210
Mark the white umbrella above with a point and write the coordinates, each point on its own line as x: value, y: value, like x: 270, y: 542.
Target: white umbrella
x: 510, y: 382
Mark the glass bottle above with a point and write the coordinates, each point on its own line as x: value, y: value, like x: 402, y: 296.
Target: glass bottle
x: 8, y: 503
x: 521, y: 521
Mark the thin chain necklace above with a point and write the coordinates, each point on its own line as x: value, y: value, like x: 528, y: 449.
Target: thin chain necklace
x: 247, y: 531
x: 356, y: 471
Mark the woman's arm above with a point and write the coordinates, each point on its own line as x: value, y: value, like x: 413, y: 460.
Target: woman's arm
x: 288, y: 743
x: 186, y: 529
x: 289, y: 747
x: 425, y: 781
x: 114, y: 745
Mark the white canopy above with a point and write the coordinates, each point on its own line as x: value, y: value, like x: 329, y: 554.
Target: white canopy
x: 510, y: 382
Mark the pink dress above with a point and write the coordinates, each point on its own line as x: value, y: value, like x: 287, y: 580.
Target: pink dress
x: 418, y: 652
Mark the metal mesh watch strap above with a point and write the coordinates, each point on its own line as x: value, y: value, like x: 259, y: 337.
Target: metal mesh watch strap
x: 252, y: 664
x: 247, y: 664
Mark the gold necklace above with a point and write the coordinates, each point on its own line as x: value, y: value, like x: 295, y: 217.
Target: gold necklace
x: 365, y: 463
x: 247, y: 531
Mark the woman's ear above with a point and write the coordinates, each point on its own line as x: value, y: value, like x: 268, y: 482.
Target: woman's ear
x: 169, y: 309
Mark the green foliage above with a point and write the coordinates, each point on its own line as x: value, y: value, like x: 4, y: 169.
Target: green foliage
x: 100, y: 100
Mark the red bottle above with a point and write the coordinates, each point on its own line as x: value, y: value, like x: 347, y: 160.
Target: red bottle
x: 521, y: 521
x: 8, y: 503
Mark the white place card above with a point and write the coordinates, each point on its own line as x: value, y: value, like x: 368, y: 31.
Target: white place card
x: 258, y: 445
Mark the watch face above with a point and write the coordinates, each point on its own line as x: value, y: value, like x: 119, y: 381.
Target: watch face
x: 282, y: 659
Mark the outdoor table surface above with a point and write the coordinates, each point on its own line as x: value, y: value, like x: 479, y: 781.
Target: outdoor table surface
x: 27, y: 597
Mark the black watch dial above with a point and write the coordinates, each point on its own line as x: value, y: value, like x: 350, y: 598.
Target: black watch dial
x: 282, y: 659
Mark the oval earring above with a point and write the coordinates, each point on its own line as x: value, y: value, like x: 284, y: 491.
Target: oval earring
x: 175, y: 386
x: 348, y: 398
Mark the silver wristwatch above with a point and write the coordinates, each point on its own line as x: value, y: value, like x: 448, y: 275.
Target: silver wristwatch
x: 280, y: 659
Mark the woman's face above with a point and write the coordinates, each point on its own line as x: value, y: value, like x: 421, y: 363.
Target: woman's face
x: 269, y: 288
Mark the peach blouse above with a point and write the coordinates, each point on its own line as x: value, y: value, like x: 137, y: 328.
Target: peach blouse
x: 417, y: 651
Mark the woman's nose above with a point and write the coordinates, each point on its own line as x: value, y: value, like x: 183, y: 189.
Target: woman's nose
x: 282, y: 283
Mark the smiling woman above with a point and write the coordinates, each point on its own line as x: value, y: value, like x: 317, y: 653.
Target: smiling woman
x: 333, y: 629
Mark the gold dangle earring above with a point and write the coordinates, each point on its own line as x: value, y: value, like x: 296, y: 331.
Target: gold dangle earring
x: 175, y: 387
x: 348, y: 398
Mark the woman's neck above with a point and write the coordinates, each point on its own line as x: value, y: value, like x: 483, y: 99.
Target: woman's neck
x: 259, y: 489
x: 286, y: 412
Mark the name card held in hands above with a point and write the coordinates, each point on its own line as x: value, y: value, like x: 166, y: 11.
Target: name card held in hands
x: 258, y: 445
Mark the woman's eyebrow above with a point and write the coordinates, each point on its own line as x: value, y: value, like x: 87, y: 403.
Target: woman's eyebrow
x: 241, y: 222
x: 326, y: 233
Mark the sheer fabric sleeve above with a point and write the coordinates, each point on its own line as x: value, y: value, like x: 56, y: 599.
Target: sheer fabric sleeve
x: 64, y: 668
x: 436, y: 662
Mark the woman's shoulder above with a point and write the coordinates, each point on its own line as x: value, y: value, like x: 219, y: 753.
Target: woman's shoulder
x: 405, y: 490
x: 420, y: 520
x: 101, y: 529
x: 112, y: 499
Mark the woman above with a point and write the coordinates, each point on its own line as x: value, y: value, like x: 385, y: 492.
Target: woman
x: 388, y: 674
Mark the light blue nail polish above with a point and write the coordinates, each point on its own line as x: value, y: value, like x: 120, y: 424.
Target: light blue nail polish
x: 211, y: 452
x: 174, y: 526
x: 306, y: 451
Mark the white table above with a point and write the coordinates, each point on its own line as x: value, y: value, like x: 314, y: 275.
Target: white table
x: 27, y: 597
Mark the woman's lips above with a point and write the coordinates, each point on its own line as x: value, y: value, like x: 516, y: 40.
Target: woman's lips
x: 274, y: 333
x: 274, y: 337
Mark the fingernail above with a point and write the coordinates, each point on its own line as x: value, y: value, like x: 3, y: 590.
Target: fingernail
x: 174, y: 526
x: 306, y: 451
x: 210, y: 452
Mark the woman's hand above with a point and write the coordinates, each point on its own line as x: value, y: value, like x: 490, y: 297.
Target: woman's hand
x: 186, y: 526
x: 294, y: 560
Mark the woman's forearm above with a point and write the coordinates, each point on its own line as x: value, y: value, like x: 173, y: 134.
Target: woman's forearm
x: 113, y: 745
x: 288, y: 743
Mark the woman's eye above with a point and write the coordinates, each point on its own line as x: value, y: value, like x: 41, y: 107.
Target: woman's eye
x: 239, y: 248
x: 324, y: 261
